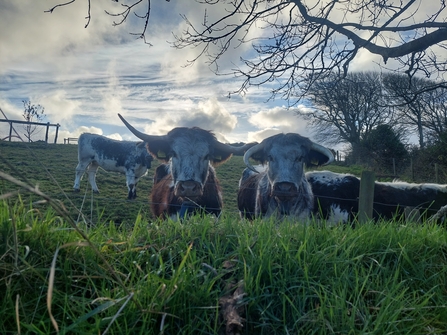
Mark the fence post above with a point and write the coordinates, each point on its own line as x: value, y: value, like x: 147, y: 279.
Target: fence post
x: 57, y: 133
x: 46, y: 133
x: 412, y: 169
x: 10, y: 131
x: 436, y: 173
x: 366, y: 196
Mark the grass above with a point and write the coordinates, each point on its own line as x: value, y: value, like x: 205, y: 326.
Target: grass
x: 137, y: 275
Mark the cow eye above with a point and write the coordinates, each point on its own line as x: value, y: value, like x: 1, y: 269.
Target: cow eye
x: 207, y: 157
x: 270, y: 158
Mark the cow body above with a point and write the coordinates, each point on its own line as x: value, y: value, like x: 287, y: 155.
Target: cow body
x: 281, y: 188
x: 129, y: 158
x: 336, y: 197
x: 165, y: 202
x: 186, y: 181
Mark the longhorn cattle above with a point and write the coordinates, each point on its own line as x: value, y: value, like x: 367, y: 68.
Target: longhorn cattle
x: 129, y: 158
x: 187, y: 181
x: 281, y: 189
x: 336, y: 197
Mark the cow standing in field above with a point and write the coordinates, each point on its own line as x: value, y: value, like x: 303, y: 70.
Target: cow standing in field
x: 336, y: 197
x: 187, y: 181
x: 130, y: 158
x: 281, y: 188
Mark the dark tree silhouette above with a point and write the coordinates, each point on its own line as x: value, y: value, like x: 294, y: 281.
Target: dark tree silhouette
x: 383, y: 145
x: 346, y: 110
x: 418, y: 106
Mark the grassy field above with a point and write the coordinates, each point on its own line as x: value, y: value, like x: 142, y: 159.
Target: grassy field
x: 130, y: 274
x: 52, y: 168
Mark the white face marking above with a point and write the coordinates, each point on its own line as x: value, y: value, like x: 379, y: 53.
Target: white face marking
x: 190, y: 160
x: 286, y: 164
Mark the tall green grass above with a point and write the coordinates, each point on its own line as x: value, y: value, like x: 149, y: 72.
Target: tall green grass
x: 120, y: 271
x: 296, y: 277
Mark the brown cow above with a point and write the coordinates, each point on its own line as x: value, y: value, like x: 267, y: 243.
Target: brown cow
x: 187, y: 181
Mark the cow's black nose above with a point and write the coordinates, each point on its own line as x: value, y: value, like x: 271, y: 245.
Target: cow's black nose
x: 284, y: 189
x: 188, y: 188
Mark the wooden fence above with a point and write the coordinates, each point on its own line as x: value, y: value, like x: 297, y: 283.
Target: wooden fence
x: 48, y: 125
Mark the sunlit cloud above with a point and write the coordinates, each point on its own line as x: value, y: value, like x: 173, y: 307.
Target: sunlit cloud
x: 209, y: 115
x: 276, y: 120
x: 59, y: 108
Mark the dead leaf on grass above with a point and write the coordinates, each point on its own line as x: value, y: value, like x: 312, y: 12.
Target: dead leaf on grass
x: 231, y: 310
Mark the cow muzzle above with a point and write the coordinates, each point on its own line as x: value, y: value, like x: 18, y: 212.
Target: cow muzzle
x: 188, y: 189
x: 284, y: 190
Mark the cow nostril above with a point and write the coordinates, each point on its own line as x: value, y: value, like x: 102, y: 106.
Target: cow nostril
x: 188, y: 189
x: 284, y: 189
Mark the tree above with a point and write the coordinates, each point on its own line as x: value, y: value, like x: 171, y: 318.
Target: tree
x: 383, y: 145
x: 346, y: 110
x: 426, y: 111
x: 310, y: 38
x: 32, y: 113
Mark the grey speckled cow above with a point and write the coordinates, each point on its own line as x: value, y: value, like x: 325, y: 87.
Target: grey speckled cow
x: 127, y: 157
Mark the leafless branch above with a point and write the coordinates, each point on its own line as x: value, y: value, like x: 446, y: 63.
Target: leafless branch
x: 59, y: 5
x: 295, y: 39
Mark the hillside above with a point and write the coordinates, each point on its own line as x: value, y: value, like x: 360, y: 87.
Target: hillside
x: 52, y: 168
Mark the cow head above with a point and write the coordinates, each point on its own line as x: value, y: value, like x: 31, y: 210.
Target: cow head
x: 144, y: 158
x: 190, y: 151
x: 285, y: 156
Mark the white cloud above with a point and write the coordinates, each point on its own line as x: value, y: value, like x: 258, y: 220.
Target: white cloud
x: 276, y: 120
x: 208, y: 114
x: 113, y: 93
x: 115, y: 136
x: 59, y: 108
x: 10, y: 111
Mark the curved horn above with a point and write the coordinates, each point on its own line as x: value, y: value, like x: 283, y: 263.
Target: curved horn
x: 250, y: 152
x: 324, y: 151
x: 140, y: 135
x: 238, y: 151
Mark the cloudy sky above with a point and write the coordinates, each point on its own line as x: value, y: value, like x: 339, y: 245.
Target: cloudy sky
x: 84, y: 77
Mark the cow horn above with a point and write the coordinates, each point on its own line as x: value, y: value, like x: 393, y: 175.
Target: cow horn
x: 324, y: 151
x: 239, y: 151
x: 145, y: 137
x: 250, y: 152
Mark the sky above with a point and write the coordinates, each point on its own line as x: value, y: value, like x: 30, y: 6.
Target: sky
x: 83, y: 77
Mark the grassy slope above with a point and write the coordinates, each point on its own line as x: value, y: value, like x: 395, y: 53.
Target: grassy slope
x: 40, y: 163
x: 385, y: 278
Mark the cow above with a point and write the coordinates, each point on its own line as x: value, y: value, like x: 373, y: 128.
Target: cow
x: 186, y: 182
x: 127, y: 157
x: 336, y: 197
x: 280, y: 189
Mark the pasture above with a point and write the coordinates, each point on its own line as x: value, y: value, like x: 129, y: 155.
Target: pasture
x: 121, y: 272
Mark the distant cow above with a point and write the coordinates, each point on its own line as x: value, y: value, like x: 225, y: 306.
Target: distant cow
x: 130, y: 158
x: 281, y: 189
x: 336, y: 197
x: 186, y: 182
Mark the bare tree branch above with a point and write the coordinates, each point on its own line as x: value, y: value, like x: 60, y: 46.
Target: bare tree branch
x: 312, y: 39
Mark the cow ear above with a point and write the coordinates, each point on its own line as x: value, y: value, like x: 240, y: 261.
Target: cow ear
x: 259, y: 156
x: 159, y: 150
x: 316, y: 158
